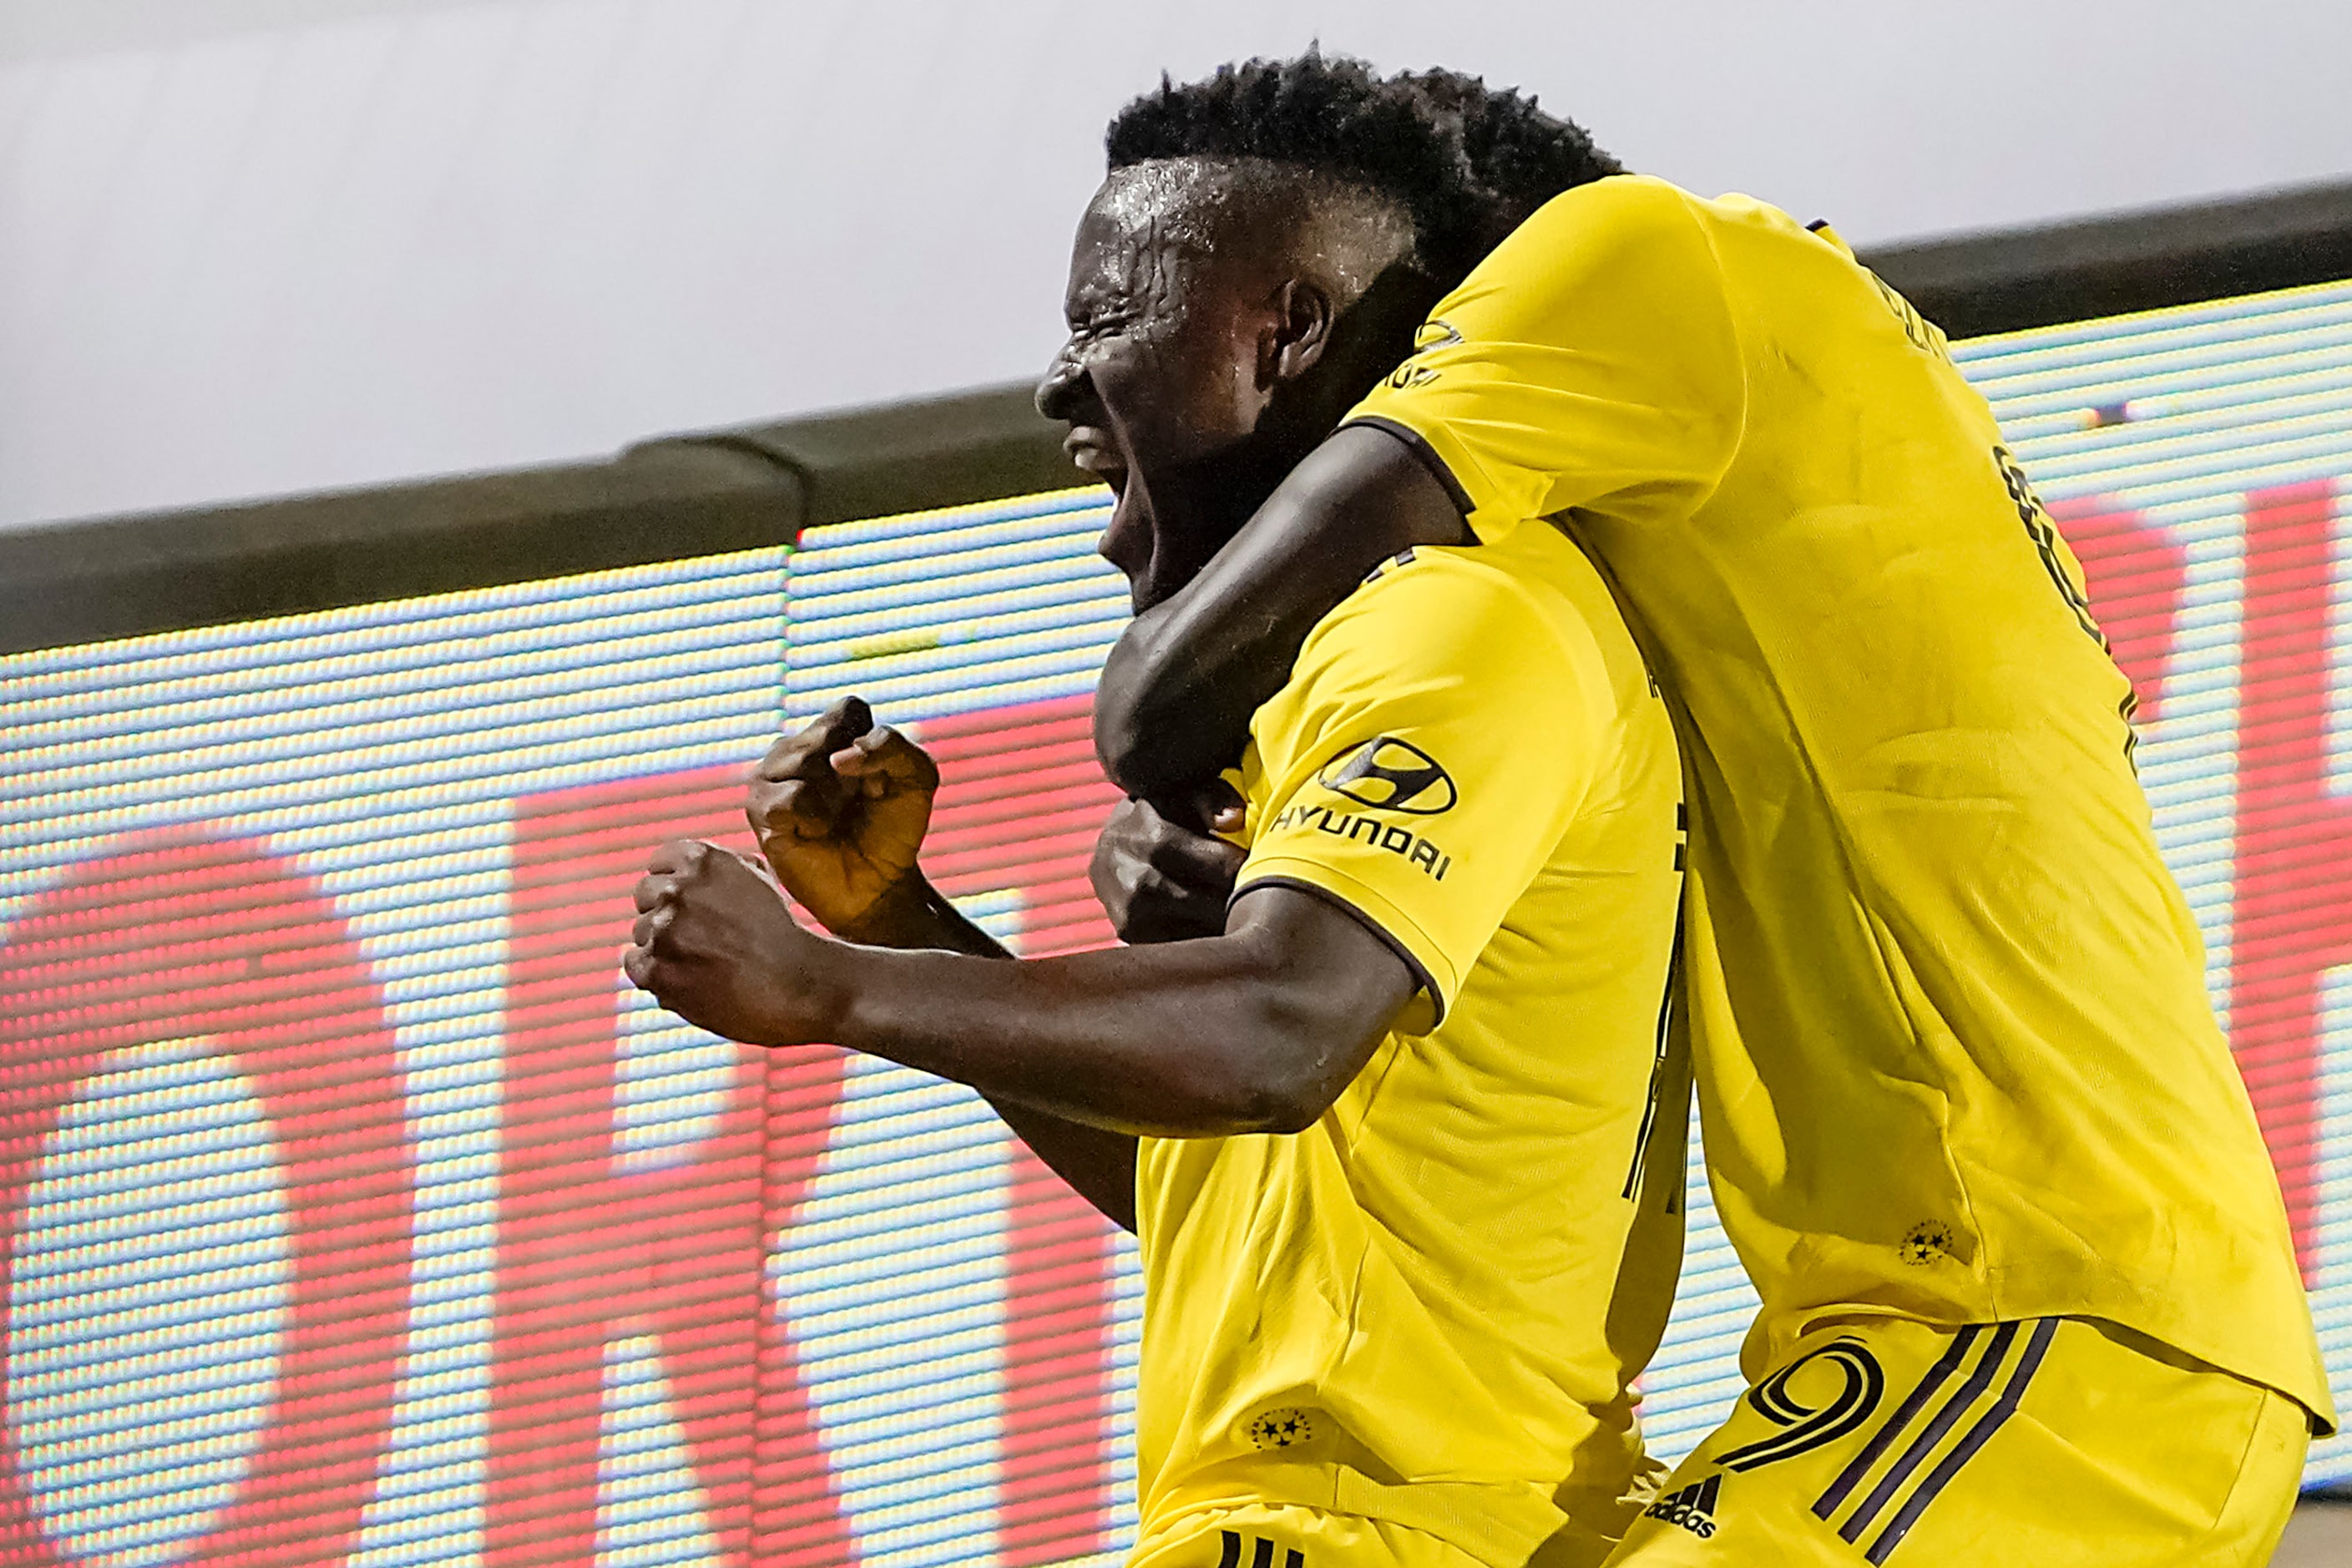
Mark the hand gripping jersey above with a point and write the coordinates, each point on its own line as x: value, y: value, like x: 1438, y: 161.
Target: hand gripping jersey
x: 1954, y: 1054
x: 1427, y: 1308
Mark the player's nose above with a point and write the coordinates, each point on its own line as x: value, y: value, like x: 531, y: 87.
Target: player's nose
x: 1058, y: 391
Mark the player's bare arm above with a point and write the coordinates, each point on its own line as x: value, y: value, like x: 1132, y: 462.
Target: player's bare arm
x: 840, y: 807
x: 1256, y: 1030
x: 1176, y: 696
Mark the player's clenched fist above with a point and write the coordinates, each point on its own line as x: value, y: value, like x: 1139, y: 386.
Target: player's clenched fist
x: 715, y: 945
x: 1161, y: 882
x: 840, y: 808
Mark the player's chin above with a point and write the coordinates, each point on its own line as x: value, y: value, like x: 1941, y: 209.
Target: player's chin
x: 1171, y: 567
x: 1158, y: 578
x: 1134, y: 542
x: 1141, y: 595
x: 1156, y: 589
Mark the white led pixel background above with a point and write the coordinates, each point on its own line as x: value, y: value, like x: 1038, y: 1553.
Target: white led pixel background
x: 352, y: 1209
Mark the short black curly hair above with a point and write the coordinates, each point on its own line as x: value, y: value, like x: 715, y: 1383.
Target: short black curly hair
x: 1468, y: 162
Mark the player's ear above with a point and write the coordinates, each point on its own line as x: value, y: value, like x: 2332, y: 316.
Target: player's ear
x: 1301, y: 329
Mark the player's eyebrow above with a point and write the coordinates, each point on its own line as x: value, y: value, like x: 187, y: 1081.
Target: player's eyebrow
x: 1092, y: 304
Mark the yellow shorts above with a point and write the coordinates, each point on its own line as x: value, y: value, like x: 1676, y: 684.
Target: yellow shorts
x: 1298, y: 1535
x: 1288, y: 1535
x: 1285, y: 1535
x: 2044, y: 1443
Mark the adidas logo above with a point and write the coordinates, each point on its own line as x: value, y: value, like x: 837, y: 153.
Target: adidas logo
x: 1693, y: 1507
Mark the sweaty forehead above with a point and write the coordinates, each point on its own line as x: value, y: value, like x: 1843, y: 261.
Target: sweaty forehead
x: 1168, y: 203
x: 1174, y: 211
x: 1145, y: 234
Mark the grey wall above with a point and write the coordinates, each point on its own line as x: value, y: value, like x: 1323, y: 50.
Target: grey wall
x: 252, y: 246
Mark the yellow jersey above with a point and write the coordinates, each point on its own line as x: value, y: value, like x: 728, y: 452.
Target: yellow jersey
x: 1954, y: 1054
x: 1429, y: 1307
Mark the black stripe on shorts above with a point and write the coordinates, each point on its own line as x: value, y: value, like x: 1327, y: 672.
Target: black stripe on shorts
x: 1966, y: 1448
x: 1944, y: 1420
x: 1884, y: 1438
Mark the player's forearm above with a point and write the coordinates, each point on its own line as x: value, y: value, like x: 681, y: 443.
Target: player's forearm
x: 1176, y: 696
x: 1097, y: 1164
x: 916, y: 915
x: 1186, y: 1039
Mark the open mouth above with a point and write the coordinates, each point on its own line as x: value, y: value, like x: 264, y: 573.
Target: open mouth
x: 1090, y: 449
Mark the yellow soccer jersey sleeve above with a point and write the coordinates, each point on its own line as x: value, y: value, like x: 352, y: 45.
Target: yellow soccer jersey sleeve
x: 1418, y: 776
x: 1611, y: 378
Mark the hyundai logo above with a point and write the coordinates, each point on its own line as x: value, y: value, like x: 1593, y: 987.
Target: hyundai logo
x: 1390, y: 774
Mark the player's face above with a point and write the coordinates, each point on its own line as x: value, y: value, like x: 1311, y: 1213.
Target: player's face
x: 1160, y: 381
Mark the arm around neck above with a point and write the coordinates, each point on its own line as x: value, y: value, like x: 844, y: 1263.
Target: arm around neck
x: 1178, y: 691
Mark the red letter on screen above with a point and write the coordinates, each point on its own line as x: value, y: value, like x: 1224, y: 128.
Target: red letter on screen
x: 1020, y: 801
x: 2294, y: 916
x: 187, y: 984
x: 607, y: 1263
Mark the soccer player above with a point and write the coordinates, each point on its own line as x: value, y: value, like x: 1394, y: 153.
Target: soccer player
x: 2029, y: 1295
x: 1401, y: 1139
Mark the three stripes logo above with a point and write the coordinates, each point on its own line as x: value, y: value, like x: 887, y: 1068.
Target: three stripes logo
x: 1895, y: 1460
x: 1692, y: 1507
x: 1261, y: 1551
x: 1910, y: 1460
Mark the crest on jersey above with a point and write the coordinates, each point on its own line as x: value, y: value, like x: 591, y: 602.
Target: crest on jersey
x: 1430, y: 336
x: 1389, y: 775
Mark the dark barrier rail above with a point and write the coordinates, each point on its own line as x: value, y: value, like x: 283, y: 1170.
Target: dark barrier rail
x: 675, y: 495
x: 695, y: 494
x: 2005, y: 281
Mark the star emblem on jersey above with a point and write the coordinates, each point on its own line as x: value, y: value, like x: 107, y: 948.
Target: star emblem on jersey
x: 1390, y: 774
x: 1281, y: 1428
x: 1927, y: 1243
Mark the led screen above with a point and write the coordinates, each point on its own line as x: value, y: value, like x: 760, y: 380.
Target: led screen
x: 352, y: 1209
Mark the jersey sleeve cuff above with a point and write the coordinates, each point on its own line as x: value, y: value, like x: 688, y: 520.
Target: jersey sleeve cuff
x: 1449, y: 465
x: 1436, y: 974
